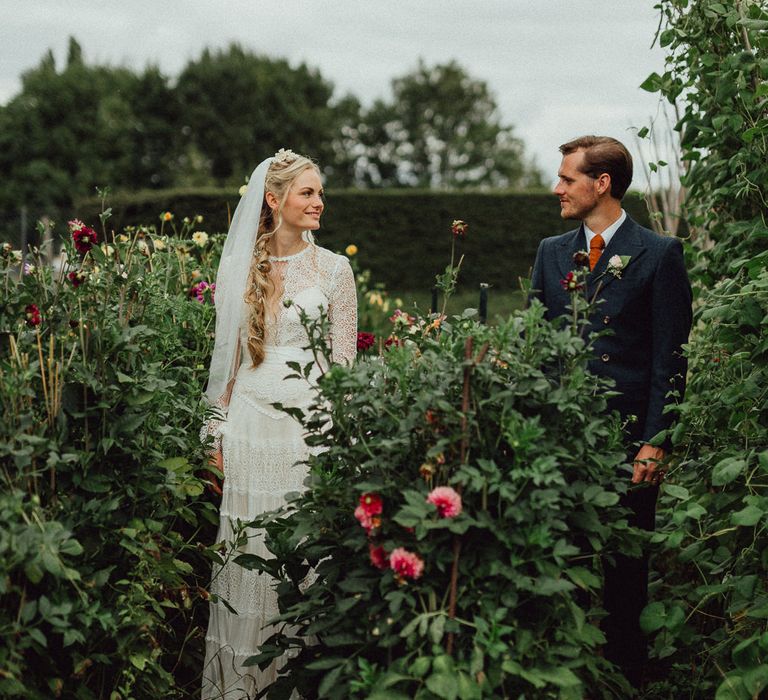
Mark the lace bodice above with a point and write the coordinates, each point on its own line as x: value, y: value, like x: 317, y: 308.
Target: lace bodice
x: 314, y: 280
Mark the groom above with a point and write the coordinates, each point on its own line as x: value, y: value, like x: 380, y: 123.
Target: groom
x: 647, y: 306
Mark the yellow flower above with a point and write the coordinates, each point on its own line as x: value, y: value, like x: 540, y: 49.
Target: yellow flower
x: 375, y: 298
x: 107, y: 249
x: 167, y: 216
x: 399, y: 303
x: 242, y: 190
x: 351, y: 250
x: 122, y: 238
x: 199, y: 219
x: 159, y: 243
x: 200, y: 238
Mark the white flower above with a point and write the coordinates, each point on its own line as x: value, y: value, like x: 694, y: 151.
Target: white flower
x: 143, y: 247
x: 16, y: 255
x: 242, y: 190
x: 616, y: 264
x: 285, y: 155
x: 200, y: 238
x: 107, y: 249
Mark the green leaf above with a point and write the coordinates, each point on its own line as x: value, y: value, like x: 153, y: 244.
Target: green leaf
x: 329, y: 681
x: 653, y: 617
x: 755, y: 680
x: 679, y: 492
x: 732, y: 688
x: 748, y: 517
x: 727, y: 470
x: 443, y: 685
x: 138, y: 661
x: 652, y: 83
x: 326, y: 663
x: 560, y: 676
x: 437, y: 628
x: 420, y: 666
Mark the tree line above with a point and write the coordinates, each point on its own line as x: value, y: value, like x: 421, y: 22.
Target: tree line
x: 82, y: 126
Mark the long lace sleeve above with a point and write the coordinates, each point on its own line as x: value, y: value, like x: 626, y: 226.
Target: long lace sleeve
x: 342, y: 313
x: 217, y: 414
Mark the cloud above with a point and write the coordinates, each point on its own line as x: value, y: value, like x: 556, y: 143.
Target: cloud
x: 557, y: 69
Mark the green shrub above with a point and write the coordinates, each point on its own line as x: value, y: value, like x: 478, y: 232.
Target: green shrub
x: 101, y: 510
x: 509, y: 418
x: 395, y: 229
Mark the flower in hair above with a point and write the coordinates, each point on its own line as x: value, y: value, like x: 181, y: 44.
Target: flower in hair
x: 285, y: 155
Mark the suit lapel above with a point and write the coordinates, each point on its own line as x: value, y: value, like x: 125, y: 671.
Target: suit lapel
x: 570, y: 244
x: 626, y: 241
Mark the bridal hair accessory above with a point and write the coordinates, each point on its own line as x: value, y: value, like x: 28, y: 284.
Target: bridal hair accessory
x: 232, y: 280
x: 285, y: 155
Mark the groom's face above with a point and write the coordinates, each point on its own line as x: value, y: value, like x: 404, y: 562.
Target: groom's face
x: 576, y: 191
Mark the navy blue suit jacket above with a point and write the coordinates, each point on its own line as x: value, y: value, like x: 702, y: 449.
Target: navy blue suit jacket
x: 648, y: 310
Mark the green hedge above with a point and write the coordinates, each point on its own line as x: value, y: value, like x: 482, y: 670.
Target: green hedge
x: 403, y: 236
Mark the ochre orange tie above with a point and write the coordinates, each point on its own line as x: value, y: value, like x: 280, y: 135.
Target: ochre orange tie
x: 596, y: 246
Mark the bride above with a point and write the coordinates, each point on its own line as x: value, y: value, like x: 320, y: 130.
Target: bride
x: 270, y: 269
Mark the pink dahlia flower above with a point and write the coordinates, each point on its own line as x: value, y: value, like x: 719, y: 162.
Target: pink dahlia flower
x: 446, y: 500
x: 406, y: 564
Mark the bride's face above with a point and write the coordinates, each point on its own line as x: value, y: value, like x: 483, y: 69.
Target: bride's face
x: 304, y: 203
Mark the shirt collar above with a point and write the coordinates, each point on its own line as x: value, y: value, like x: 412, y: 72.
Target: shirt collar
x: 608, y: 233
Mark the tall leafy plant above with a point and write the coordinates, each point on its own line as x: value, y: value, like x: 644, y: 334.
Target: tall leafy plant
x: 712, y: 628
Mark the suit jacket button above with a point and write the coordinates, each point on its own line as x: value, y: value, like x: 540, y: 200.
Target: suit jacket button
x: 605, y: 357
x: 606, y: 320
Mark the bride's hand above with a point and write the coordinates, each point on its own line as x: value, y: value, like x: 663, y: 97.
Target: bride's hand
x: 217, y: 460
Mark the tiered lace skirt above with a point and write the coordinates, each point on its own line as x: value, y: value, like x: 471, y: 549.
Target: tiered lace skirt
x: 262, y: 449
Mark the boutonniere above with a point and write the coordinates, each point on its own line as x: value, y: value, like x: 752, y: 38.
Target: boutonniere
x: 617, y: 264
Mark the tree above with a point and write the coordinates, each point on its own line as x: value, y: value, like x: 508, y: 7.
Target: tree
x: 69, y: 131
x: 441, y: 129
x: 240, y: 107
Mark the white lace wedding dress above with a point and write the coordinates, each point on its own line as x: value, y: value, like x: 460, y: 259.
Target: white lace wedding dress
x: 261, y: 448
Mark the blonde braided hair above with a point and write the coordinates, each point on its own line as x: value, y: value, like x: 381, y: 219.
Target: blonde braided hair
x: 261, y: 287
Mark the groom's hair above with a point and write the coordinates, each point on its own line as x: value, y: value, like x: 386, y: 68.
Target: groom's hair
x: 603, y: 154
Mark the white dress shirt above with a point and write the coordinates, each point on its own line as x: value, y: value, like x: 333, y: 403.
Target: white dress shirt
x: 608, y: 233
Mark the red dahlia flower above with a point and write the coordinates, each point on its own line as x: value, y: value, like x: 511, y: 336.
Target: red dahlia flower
x: 378, y: 556
x: 32, y: 315
x: 83, y: 236
x: 459, y: 228
x: 571, y: 283
x: 365, y: 341
x: 371, y: 503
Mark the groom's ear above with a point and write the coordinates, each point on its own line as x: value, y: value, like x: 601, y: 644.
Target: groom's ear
x: 603, y: 184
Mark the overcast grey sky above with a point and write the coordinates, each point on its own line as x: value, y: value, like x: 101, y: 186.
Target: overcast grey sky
x: 558, y: 68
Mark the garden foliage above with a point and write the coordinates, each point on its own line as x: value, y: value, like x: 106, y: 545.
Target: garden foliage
x: 448, y: 545
x: 396, y: 229
x: 101, y: 369
x: 711, y: 616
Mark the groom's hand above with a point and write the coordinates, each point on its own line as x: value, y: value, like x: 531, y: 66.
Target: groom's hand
x: 647, y: 465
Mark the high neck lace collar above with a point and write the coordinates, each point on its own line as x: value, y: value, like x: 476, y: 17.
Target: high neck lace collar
x: 284, y: 258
